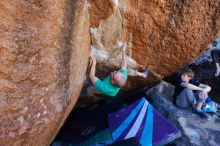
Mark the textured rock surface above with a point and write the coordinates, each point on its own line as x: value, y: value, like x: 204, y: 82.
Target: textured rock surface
x: 44, y: 52
x: 195, y: 130
x: 44, y: 48
x: 163, y: 35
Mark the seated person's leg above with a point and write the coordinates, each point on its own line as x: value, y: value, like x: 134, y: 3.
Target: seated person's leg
x: 202, y: 96
x: 186, y: 99
x: 190, y: 97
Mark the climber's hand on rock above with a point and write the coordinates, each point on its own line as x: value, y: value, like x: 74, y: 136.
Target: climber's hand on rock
x: 124, y: 47
x: 93, y: 59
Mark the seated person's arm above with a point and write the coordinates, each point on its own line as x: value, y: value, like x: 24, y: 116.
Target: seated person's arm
x: 205, y: 87
x: 191, y: 86
x: 92, y: 76
x: 124, y: 57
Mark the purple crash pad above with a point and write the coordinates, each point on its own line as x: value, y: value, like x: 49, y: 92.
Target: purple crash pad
x: 141, y: 121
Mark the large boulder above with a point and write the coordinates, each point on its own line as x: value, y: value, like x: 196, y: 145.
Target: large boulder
x: 163, y: 35
x: 44, y: 49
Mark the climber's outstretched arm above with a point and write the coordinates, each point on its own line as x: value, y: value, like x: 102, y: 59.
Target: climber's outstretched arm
x: 92, y: 76
x: 124, y: 57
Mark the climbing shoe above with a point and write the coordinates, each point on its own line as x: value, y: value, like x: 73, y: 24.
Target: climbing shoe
x: 200, y: 113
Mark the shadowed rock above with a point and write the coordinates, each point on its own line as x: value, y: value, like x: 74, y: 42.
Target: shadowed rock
x: 44, y: 49
x: 195, y: 130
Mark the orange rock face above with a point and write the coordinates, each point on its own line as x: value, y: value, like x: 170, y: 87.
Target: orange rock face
x: 44, y: 48
x: 163, y: 35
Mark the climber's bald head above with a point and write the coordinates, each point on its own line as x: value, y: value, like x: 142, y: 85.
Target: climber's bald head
x: 117, y: 79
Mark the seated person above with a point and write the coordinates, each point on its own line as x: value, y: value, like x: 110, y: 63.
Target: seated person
x: 189, y: 93
x: 215, y: 53
x: 112, y: 84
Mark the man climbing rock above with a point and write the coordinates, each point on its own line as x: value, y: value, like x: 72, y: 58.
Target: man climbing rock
x: 112, y: 84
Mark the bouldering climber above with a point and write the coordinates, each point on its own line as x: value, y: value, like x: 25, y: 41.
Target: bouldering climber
x: 112, y: 84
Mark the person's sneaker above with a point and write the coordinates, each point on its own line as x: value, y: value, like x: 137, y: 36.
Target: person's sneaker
x: 145, y: 73
x: 200, y: 113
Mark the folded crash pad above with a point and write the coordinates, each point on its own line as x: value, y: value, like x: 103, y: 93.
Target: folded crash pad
x: 141, y: 121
